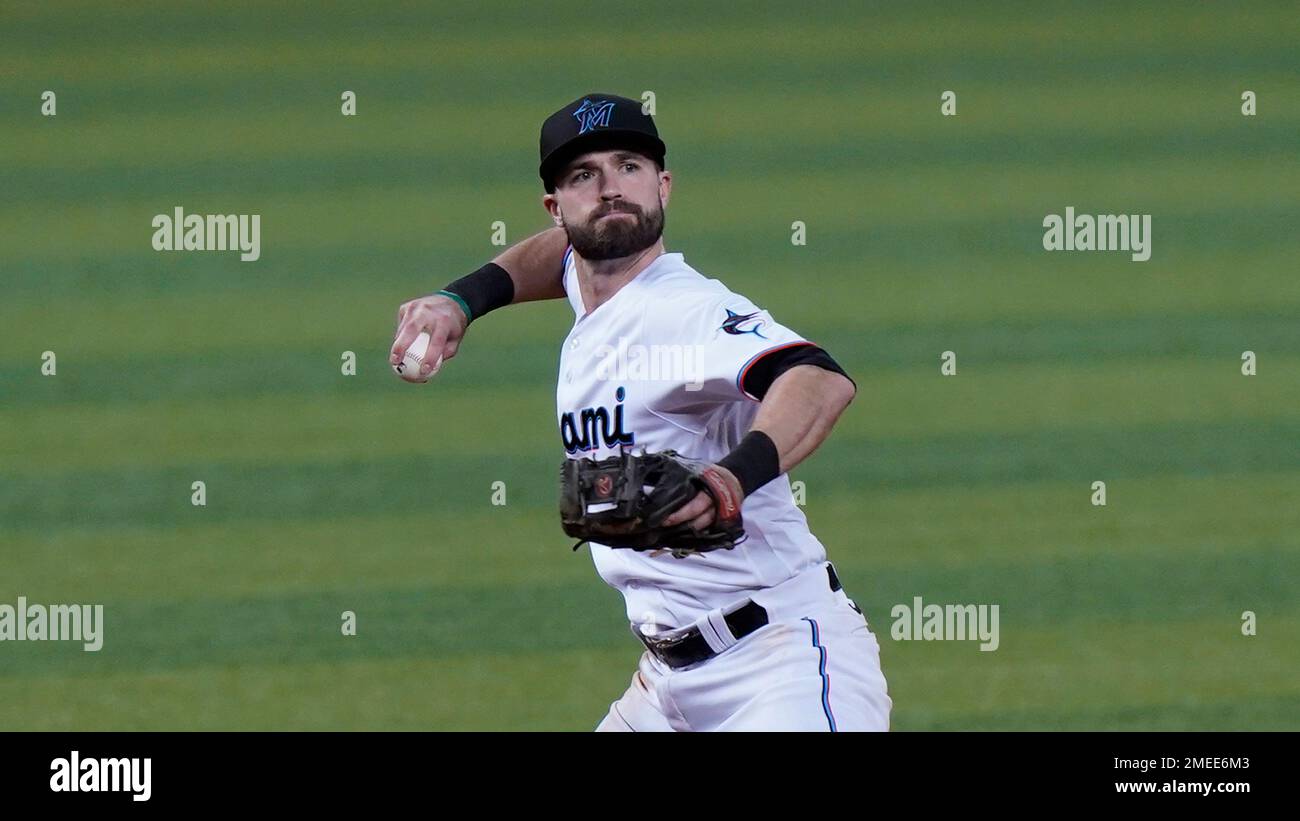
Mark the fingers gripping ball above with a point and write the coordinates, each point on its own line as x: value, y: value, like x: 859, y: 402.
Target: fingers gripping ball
x: 622, y: 502
x: 409, y: 367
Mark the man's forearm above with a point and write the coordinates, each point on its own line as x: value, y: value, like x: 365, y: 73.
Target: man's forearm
x: 534, y: 265
x: 799, y: 410
x: 531, y: 272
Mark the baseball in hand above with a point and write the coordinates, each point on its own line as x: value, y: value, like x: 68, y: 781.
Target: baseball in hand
x: 409, y: 367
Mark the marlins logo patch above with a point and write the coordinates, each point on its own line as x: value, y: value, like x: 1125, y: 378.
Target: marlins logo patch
x: 737, y: 324
x: 593, y: 115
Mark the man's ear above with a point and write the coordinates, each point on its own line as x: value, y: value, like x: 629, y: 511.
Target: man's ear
x: 552, y: 206
x: 665, y: 186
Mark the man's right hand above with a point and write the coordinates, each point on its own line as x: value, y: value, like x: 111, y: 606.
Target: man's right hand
x: 445, y: 322
x: 535, y: 266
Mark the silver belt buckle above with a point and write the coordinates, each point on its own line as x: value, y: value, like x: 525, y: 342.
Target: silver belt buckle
x: 657, y: 646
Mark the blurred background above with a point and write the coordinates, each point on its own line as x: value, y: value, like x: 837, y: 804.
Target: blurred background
x: 328, y: 493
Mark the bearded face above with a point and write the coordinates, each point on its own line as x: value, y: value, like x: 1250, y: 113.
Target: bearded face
x: 617, y: 229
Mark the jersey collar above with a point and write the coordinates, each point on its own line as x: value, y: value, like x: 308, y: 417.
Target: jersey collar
x: 645, y: 274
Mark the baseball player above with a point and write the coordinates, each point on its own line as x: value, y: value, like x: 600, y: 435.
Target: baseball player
x: 757, y: 637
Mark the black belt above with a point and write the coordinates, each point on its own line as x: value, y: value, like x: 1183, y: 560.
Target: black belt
x: 691, y: 648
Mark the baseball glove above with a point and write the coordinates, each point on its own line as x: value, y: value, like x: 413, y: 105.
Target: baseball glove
x: 623, y: 500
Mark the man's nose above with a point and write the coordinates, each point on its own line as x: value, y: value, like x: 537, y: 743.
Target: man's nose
x: 610, y: 189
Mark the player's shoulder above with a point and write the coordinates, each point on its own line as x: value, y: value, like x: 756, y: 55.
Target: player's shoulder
x: 689, y: 306
x: 680, y: 290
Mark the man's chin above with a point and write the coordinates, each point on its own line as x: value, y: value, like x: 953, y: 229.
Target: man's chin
x: 616, y: 250
x: 608, y: 253
x: 606, y: 239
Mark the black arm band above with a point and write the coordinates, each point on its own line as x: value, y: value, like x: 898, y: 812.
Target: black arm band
x: 764, y: 372
x: 754, y: 461
x: 487, y: 289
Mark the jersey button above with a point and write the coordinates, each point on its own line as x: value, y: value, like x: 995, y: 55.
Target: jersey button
x: 568, y: 377
x: 574, y: 343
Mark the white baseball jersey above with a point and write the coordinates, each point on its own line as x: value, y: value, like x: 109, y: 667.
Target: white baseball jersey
x: 660, y: 365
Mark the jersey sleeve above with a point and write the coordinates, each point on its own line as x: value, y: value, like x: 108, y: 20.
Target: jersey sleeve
x: 723, y: 338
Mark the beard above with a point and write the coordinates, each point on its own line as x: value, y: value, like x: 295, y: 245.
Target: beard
x: 616, y: 238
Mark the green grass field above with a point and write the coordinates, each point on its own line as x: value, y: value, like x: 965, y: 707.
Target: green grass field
x: 329, y: 493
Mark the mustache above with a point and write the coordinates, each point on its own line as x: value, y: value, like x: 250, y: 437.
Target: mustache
x: 616, y: 208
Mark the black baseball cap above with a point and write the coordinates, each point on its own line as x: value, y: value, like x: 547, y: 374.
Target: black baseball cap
x: 595, y: 122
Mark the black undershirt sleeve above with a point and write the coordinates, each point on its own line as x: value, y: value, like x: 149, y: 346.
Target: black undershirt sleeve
x: 764, y: 372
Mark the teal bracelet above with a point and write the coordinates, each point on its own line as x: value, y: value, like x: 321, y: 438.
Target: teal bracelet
x: 469, y: 317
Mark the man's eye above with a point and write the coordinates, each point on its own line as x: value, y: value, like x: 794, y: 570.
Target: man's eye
x: 631, y: 165
x: 581, y: 175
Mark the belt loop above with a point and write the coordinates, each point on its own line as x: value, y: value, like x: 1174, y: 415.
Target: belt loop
x: 716, y: 632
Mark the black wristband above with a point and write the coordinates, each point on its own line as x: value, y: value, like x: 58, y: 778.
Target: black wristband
x: 755, y: 461
x: 487, y: 289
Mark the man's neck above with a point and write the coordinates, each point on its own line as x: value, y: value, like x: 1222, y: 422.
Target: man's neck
x: 599, y: 280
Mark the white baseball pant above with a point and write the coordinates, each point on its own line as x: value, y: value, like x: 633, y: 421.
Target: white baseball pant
x: 815, y: 667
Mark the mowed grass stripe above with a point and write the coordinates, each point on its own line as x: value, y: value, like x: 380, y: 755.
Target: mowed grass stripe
x: 1200, y: 673
x: 354, y: 308
x: 265, y: 38
x: 1204, y: 348
x: 839, y: 303
x: 1077, y: 596
x: 194, y: 297
x: 255, y: 418
x: 544, y: 690
x: 920, y: 529
x: 1000, y: 258
x: 271, y: 490
x: 282, y: 120
x: 508, y: 546
x: 905, y: 533
x: 1236, y: 712
x: 572, y: 690
x: 1223, y: 190
x: 431, y: 422
x: 492, y: 375
x: 1084, y: 454
x: 400, y: 63
x: 1143, y: 586
x: 433, y: 622
x: 272, y: 168
x: 366, y: 485
x: 255, y: 317
x: 902, y: 30
x: 1218, y: 687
